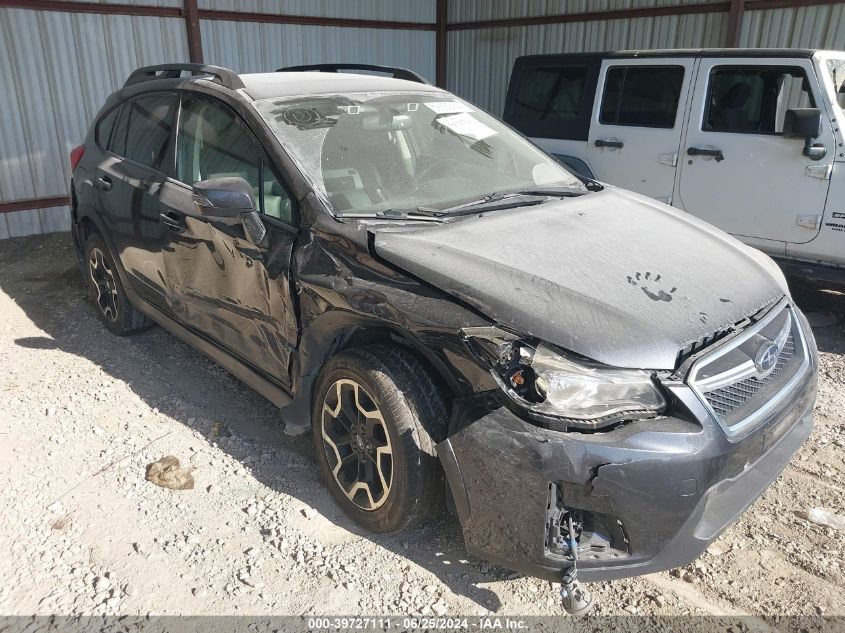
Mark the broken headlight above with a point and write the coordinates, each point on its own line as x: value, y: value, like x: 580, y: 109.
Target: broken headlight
x: 582, y: 393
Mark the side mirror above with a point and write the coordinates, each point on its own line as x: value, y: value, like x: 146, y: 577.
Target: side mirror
x: 802, y: 123
x: 230, y: 200
x: 805, y: 123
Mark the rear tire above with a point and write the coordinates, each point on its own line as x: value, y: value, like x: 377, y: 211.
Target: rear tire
x: 113, y: 306
x: 374, y: 414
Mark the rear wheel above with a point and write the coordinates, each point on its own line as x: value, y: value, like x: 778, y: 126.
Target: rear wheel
x: 375, y: 411
x: 113, y: 307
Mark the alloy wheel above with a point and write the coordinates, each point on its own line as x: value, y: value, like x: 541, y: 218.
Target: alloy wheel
x: 104, y: 283
x: 357, y: 444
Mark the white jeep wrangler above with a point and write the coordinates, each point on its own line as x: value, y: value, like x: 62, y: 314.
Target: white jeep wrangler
x: 749, y: 140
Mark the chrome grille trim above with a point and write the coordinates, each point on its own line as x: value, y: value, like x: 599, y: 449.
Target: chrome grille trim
x: 725, y: 392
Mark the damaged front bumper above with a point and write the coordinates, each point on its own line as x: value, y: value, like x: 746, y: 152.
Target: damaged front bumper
x: 647, y: 496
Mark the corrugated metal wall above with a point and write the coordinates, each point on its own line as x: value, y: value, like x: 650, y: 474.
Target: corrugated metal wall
x: 249, y: 46
x: 56, y: 69
x: 78, y: 59
x: 819, y: 26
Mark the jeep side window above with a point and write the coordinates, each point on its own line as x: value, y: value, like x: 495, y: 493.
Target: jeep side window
x: 212, y: 142
x: 641, y: 96
x: 754, y: 99
x: 148, y: 134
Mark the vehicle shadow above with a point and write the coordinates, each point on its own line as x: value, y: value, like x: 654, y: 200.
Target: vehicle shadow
x: 824, y: 307
x: 41, y: 275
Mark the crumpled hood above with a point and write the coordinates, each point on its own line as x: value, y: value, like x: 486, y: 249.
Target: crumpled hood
x: 612, y: 275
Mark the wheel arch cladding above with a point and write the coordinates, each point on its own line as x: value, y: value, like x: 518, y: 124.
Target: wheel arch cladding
x: 336, y: 331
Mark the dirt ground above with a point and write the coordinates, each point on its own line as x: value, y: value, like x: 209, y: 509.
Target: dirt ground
x: 82, y: 413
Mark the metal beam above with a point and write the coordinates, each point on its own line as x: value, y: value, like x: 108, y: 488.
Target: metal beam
x: 192, y: 24
x: 440, y: 45
x: 93, y: 7
x: 725, y: 6
x: 756, y: 5
x: 34, y: 203
x: 590, y: 16
x: 734, y: 32
x: 275, y: 18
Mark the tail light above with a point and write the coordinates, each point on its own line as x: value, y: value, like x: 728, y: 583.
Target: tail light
x: 75, y: 156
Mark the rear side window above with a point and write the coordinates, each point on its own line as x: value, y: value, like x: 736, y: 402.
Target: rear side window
x: 641, y: 96
x: 148, y: 132
x: 550, y: 94
x: 754, y: 99
x: 105, y: 127
x: 552, y: 100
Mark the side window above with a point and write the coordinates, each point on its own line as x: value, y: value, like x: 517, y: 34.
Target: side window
x: 117, y: 143
x: 213, y: 143
x: 641, y: 96
x: 550, y: 93
x: 754, y: 99
x: 105, y: 127
x: 148, y: 132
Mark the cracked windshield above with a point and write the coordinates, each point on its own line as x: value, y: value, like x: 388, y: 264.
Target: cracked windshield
x: 370, y: 153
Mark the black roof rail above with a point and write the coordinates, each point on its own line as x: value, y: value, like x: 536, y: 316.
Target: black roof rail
x: 398, y: 73
x: 226, y: 77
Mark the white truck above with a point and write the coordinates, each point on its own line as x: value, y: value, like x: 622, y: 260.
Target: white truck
x: 749, y: 140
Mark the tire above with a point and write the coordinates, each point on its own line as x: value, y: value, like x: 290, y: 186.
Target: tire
x: 400, y: 397
x: 110, y: 299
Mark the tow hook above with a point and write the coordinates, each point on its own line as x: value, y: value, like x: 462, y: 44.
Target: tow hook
x: 575, y: 599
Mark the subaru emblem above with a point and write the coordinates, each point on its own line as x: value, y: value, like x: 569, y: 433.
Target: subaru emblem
x: 766, y: 357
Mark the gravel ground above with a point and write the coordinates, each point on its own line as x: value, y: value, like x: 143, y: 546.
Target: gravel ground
x: 83, y: 412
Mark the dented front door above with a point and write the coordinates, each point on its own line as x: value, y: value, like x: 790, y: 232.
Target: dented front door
x: 230, y: 290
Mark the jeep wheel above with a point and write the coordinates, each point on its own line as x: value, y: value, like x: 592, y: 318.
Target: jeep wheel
x: 375, y: 411
x: 113, y: 306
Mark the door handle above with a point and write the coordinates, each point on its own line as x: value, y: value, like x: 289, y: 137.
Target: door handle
x: 700, y: 151
x: 105, y: 182
x: 600, y: 142
x: 171, y: 221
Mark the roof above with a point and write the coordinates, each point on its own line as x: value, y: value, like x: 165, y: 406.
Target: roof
x: 683, y: 52
x: 284, y: 84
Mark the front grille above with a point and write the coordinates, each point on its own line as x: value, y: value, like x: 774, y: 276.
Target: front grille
x: 728, y: 399
x: 735, y: 385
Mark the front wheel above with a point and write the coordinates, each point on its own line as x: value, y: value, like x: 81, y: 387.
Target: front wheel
x: 375, y: 412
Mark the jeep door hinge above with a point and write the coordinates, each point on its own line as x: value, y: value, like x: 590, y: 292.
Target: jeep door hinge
x: 809, y: 221
x: 822, y: 172
x: 670, y: 159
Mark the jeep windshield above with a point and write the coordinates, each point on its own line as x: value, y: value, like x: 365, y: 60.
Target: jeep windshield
x: 382, y: 154
x: 836, y: 68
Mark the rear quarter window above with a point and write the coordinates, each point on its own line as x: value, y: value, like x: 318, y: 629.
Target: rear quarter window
x: 105, y: 127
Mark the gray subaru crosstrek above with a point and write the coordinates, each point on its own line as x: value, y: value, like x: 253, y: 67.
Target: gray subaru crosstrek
x: 582, y: 374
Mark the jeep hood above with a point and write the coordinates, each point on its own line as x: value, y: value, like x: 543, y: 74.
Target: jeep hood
x: 612, y: 275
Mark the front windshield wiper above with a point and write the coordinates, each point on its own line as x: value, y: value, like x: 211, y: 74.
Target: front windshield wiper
x: 560, y: 192
x: 421, y: 214
x: 493, y: 202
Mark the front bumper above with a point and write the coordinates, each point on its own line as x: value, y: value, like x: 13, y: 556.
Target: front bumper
x: 671, y: 485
